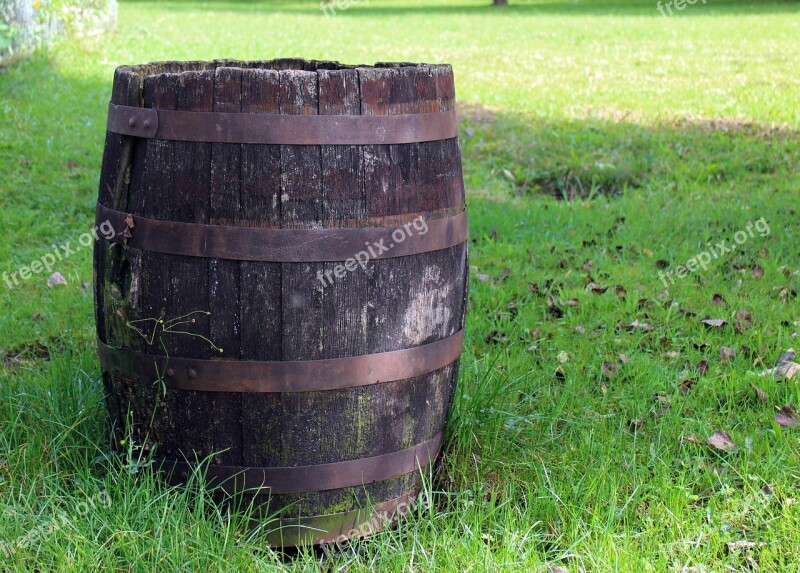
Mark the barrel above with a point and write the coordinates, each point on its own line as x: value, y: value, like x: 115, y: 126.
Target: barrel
x: 280, y: 284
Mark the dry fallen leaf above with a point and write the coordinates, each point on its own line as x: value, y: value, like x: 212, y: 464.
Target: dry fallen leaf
x: 726, y: 353
x: 635, y: 325
x: 722, y: 441
x: 787, y: 417
x: 714, y: 322
x: 620, y: 291
x: 624, y: 359
x: 692, y: 439
x: 785, y: 371
x: 758, y: 272
x: 744, y: 320
x: 610, y: 370
x: 787, y: 356
x: 563, y: 357
x: 635, y: 425
x: 662, y: 264
x: 56, y: 279
x: 702, y: 367
x: 717, y: 300
x: 760, y: 393
x: 686, y: 385
x: 483, y: 278
x: 596, y: 289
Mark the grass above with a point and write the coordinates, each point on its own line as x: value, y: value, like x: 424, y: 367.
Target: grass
x: 601, y: 141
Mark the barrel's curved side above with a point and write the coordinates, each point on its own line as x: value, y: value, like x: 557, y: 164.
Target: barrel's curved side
x: 282, y: 311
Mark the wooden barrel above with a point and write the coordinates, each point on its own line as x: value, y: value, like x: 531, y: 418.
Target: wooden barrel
x: 281, y: 293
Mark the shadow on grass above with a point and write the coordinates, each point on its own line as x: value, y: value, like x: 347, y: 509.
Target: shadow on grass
x: 608, y: 156
x: 369, y: 8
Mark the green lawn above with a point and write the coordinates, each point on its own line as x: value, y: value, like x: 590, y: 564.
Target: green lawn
x: 602, y: 141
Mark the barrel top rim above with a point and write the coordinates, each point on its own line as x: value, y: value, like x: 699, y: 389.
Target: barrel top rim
x: 166, y: 67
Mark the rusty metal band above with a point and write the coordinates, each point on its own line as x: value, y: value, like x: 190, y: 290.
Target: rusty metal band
x: 283, y: 376
x: 281, y: 245
x: 337, y: 527
x: 301, y: 479
x: 278, y: 129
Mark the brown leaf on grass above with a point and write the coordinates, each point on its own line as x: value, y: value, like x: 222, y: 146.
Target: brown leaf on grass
x: 717, y: 300
x: 726, y: 353
x: 758, y: 272
x: 702, y: 367
x: 483, y: 278
x: 760, y: 393
x: 610, y: 370
x: 686, y: 385
x: 596, y: 289
x: 570, y: 302
x: 644, y: 303
x: 129, y: 221
x: 662, y: 264
x: 744, y: 320
x: 692, y: 439
x: 635, y: 325
x: 635, y: 425
x: 588, y: 266
x: 553, y: 309
x: 787, y: 417
x: 624, y: 359
x: 721, y: 441
x: 620, y: 291
x: 787, y: 356
x: 36, y: 315
x: 557, y: 569
x: 580, y: 330
x: 534, y: 288
x: 714, y: 322
x: 785, y: 371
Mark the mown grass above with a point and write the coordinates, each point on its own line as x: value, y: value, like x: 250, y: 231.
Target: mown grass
x: 599, y: 139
